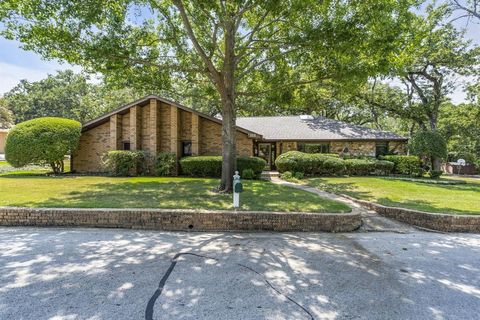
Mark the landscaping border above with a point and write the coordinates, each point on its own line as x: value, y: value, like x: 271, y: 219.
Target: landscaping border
x: 434, y: 221
x: 180, y: 219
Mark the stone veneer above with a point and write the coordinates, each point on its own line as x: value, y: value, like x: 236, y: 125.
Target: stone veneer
x: 180, y: 219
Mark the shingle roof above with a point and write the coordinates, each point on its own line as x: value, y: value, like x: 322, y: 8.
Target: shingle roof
x: 316, y: 128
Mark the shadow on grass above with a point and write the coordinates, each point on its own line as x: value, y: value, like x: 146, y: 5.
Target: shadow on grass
x: 351, y: 189
x: 183, y: 194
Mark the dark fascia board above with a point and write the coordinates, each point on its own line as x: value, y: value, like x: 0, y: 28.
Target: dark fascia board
x: 104, y: 118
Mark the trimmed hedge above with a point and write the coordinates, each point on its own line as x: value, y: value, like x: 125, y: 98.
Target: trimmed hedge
x: 211, y: 166
x: 408, y: 165
x: 42, y: 141
x: 364, y: 167
x: 309, y: 163
x: 320, y: 164
x: 125, y: 163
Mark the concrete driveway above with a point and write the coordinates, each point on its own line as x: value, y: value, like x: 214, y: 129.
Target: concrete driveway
x: 123, y: 274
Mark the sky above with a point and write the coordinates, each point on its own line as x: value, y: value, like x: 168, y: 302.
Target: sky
x: 17, y: 64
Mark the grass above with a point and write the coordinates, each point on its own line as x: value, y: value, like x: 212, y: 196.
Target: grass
x: 26, y: 190
x: 456, y: 199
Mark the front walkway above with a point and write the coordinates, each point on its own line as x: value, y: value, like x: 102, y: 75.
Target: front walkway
x: 372, y: 222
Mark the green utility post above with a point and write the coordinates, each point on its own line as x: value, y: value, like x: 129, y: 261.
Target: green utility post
x: 237, y: 188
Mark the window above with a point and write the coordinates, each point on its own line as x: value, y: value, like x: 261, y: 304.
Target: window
x: 381, y: 148
x: 126, y: 145
x: 186, y: 148
x: 314, y: 147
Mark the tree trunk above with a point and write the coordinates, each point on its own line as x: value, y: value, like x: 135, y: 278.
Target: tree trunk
x: 228, y: 145
x: 227, y: 90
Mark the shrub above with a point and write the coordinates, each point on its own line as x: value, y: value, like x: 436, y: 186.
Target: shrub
x: 202, y: 166
x: 42, y: 141
x: 409, y: 165
x: 211, y: 166
x: 287, y: 175
x: 359, y: 167
x: 299, y: 175
x: 383, y: 167
x: 309, y: 163
x: 125, y: 163
x: 435, y: 174
x: 165, y: 164
x: 248, y: 174
x: 256, y: 164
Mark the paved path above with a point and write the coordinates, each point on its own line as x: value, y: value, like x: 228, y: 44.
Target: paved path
x: 371, y: 220
x: 103, y: 274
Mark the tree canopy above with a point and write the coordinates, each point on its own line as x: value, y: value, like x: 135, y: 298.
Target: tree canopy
x: 228, y: 51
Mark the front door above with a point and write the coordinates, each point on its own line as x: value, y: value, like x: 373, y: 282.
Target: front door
x: 266, y: 151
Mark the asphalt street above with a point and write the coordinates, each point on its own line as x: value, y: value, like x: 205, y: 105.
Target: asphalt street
x: 55, y: 273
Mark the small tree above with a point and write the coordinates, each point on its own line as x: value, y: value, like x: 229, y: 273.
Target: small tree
x: 429, y: 145
x: 42, y: 141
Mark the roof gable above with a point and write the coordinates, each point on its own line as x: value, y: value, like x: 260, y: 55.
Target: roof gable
x: 144, y: 101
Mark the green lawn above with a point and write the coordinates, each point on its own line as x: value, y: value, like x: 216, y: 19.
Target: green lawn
x: 459, y: 199
x: 153, y: 192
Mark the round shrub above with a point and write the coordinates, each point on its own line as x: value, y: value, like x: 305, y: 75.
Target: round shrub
x: 42, y: 141
x: 287, y: 175
x: 165, y: 164
x: 124, y: 163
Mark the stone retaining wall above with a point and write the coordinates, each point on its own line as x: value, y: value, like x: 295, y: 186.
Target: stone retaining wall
x: 433, y: 221
x: 179, y: 219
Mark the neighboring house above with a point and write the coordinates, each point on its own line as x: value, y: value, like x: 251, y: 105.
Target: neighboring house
x: 3, y: 139
x: 155, y: 124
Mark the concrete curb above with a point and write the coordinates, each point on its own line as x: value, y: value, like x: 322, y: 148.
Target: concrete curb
x: 432, y: 221
x: 181, y: 219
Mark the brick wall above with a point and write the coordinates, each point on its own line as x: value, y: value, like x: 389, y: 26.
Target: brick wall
x: 176, y: 219
x: 93, y: 144
x: 153, y: 127
x: 433, y: 221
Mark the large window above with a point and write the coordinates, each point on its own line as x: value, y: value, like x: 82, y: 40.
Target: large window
x: 186, y: 148
x: 314, y: 147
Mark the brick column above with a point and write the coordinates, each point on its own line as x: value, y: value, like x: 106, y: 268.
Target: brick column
x: 135, y: 127
x: 153, y: 127
x: 174, y: 126
x: 195, y: 134
x: 115, y: 132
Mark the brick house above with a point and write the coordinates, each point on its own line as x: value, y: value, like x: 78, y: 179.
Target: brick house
x: 155, y: 124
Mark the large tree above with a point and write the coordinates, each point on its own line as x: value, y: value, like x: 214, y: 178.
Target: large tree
x: 230, y: 50
x: 64, y: 94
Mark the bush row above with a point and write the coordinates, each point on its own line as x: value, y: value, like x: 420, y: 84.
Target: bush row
x: 132, y: 163
x: 211, y: 166
x: 320, y: 164
x: 407, y: 165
